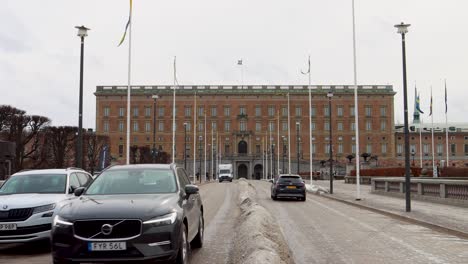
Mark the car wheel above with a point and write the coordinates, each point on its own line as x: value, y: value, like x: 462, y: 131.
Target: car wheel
x: 230, y: 180
x: 182, y: 255
x: 274, y: 197
x: 303, y: 198
x: 197, y: 242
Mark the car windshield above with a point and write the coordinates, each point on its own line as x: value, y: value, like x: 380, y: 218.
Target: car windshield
x: 224, y: 171
x: 35, y: 183
x: 133, y: 181
x: 293, y: 179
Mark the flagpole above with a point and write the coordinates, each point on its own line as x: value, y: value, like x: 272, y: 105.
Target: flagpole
x: 356, y: 112
x: 278, y: 141
x: 195, y: 136
x: 310, y: 124
x: 174, y: 110
x: 263, y: 157
x: 204, y: 175
x: 211, y: 151
x: 446, y: 126
x: 129, y: 80
x: 271, y: 153
x: 420, y: 142
x: 289, y: 140
x: 266, y: 155
x: 434, y: 171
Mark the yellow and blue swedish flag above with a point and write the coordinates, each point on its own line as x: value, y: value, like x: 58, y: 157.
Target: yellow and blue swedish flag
x: 128, y: 24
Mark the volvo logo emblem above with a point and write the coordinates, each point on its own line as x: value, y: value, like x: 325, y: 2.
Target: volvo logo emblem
x: 106, y: 229
x: 5, y: 207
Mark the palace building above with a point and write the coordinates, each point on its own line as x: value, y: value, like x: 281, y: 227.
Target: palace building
x: 245, y: 123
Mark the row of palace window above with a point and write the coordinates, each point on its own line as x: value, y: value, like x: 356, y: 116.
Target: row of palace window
x: 259, y: 148
x: 243, y: 111
x: 242, y: 125
x: 426, y: 149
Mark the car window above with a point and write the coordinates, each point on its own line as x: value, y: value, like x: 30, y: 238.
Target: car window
x: 183, y: 179
x: 74, y: 180
x: 84, y: 179
x: 292, y: 179
x: 35, y: 183
x: 133, y: 181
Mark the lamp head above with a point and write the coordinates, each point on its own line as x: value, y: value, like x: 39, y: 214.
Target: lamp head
x: 155, y: 96
x: 82, y: 31
x: 402, y: 28
x: 329, y: 94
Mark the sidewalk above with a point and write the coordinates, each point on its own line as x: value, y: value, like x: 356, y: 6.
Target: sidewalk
x: 448, y: 218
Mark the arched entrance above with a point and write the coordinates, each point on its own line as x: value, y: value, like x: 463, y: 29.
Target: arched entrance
x: 258, y: 171
x: 242, y: 171
x: 242, y: 147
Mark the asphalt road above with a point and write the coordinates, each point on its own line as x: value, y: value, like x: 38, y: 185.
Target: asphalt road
x: 317, y: 231
x: 324, y: 231
x: 219, y: 200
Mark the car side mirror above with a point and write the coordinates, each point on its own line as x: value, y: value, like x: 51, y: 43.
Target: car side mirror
x: 79, y: 191
x: 72, y: 189
x: 191, y: 189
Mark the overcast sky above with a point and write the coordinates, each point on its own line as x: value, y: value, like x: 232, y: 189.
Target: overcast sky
x: 39, y: 49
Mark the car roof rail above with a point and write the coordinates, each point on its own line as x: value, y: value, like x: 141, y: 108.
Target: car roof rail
x: 74, y: 168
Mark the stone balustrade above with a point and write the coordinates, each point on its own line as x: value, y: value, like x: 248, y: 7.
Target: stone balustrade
x: 448, y: 191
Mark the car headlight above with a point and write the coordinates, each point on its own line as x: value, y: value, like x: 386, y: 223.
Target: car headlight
x: 43, y: 208
x: 162, y: 220
x: 59, y: 221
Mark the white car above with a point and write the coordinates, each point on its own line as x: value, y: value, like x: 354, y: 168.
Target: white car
x: 29, y: 199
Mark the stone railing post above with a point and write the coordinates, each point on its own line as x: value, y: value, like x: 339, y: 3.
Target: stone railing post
x: 420, y: 188
x: 443, y: 190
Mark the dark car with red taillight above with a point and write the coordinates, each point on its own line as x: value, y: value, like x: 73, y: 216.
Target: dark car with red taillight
x: 288, y: 186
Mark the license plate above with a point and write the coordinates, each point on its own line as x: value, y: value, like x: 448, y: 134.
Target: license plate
x: 291, y: 187
x: 6, y: 227
x: 107, y: 246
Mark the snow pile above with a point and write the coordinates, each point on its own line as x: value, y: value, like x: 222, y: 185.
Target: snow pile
x: 316, y: 189
x: 258, y: 238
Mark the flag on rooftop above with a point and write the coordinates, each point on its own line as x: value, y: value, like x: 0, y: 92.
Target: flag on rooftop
x: 418, y: 104
x: 126, y: 27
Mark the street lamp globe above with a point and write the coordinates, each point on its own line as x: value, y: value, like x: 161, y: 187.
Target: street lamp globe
x: 329, y: 94
x: 82, y: 31
x: 402, y: 28
x: 155, y: 96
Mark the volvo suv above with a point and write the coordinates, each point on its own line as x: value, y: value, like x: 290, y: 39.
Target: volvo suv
x: 28, y: 200
x: 132, y: 213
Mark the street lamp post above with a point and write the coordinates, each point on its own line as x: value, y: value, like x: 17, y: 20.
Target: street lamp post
x: 330, y: 95
x: 273, y: 158
x: 82, y: 33
x: 199, y: 156
x: 185, y: 145
x: 403, y: 29
x: 209, y: 161
x: 297, y: 145
x: 284, y: 153
x: 155, y: 97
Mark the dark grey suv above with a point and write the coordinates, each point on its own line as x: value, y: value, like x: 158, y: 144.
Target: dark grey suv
x: 130, y: 213
x: 288, y: 186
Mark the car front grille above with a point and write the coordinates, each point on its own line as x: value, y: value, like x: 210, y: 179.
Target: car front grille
x: 121, y: 229
x: 15, y: 215
x: 26, y: 230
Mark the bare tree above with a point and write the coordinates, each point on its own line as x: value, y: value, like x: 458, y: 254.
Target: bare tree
x: 61, y: 144
x: 24, y: 130
x: 94, y: 145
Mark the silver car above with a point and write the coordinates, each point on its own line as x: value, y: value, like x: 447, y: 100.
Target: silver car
x: 29, y: 199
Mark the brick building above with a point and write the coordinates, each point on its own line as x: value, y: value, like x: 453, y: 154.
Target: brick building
x: 240, y: 118
x: 458, y: 145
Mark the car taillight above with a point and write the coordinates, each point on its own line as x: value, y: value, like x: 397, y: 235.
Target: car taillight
x: 301, y: 185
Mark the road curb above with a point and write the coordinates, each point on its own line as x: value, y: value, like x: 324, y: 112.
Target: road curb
x: 433, y: 226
